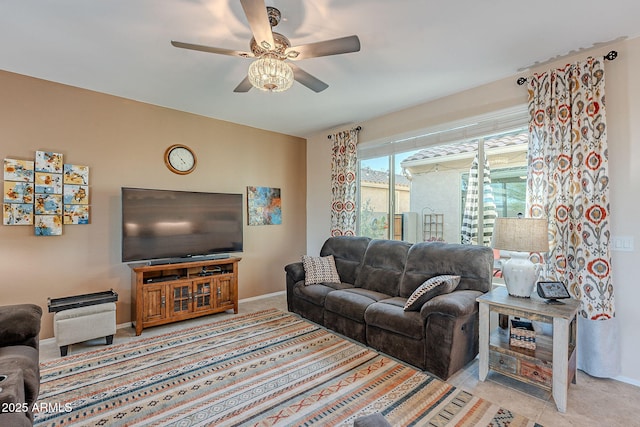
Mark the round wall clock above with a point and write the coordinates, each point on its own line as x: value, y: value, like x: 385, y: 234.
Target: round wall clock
x: 180, y: 159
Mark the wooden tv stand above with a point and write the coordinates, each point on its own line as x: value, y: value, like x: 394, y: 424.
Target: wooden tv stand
x: 168, y: 293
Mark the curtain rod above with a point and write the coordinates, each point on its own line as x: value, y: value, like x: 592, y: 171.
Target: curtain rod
x: 357, y: 129
x: 609, y: 57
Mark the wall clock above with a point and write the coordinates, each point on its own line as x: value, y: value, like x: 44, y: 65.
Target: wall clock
x: 180, y: 159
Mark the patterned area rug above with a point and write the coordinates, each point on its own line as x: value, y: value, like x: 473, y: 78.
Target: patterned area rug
x: 261, y: 369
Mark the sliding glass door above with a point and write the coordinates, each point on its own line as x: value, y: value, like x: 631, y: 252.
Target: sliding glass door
x: 439, y: 192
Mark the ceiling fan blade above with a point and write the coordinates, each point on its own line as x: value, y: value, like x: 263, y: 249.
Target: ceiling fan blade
x: 307, y: 79
x: 210, y: 49
x: 256, y: 12
x: 244, y: 86
x: 325, y: 48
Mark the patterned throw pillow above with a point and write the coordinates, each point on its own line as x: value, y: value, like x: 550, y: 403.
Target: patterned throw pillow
x: 433, y: 287
x: 319, y: 270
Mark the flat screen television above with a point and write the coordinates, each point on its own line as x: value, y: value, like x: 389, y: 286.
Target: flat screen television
x: 165, y: 224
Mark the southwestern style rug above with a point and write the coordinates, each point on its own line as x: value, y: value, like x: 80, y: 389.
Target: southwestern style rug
x: 262, y: 369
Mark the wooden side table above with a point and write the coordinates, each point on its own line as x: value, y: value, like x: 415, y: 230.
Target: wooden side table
x: 552, y: 365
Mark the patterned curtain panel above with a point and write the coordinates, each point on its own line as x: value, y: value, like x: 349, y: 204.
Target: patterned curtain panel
x: 568, y: 183
x: 344, y: 186
x: 469, y: 230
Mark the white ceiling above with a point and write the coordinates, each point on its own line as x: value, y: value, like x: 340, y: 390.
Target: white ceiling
x: 412, y: 51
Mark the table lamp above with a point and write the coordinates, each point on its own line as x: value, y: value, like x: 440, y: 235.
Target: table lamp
x: 520, y: 236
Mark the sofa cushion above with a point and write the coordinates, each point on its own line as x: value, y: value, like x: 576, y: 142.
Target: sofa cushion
x: 474, y: 265
x: 389, y: 315
x: 348, y: 304
x: 383, y: 266
x: 433, y: 287
x: 319, y: 270
x: 348, y: 252
x: 374, y: 295
x: 317, y: 293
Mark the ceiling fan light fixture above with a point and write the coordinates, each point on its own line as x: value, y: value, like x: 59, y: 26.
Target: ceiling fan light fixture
x: 270, y: 74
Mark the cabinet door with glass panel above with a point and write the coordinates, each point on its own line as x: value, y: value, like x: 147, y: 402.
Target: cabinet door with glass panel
x: 203, y: 294
x: 180, y: 298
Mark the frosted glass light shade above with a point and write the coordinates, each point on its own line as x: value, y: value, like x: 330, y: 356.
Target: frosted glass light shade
x: 270, y: 74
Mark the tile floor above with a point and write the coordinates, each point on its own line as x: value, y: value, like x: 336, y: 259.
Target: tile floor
x: 591, y: 402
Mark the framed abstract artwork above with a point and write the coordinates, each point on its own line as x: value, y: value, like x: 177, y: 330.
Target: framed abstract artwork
x: 264, y: 206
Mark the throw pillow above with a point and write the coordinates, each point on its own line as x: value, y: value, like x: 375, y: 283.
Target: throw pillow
x: 319, y: 270
x: 435, y: 286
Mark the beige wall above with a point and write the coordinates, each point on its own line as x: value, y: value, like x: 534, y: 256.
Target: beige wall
x: 623, y: 111
x: 123, y: 143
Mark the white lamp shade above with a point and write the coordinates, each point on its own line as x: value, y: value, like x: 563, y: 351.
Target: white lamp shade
x: 521, y: 234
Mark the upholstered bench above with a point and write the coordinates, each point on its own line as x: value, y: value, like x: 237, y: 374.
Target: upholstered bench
x: 84, y: 323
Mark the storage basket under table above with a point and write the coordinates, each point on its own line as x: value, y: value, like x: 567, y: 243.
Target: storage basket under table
x: 522, y: 334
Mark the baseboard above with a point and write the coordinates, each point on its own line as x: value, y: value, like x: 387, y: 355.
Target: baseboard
x: 627, y: 380
x: 273, y: 294
x: 48, y: 340
x: 128, y: 324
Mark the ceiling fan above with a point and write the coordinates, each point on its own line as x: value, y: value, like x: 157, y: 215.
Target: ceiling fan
x: 272, y: 71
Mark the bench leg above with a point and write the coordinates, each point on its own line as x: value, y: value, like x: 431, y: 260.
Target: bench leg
x: 109, y: 339
x: 64, y: 350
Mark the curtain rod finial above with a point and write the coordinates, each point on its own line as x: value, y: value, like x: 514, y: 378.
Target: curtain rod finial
x: 521, y: 81
x: 611, y: 55
x: 357, y: 129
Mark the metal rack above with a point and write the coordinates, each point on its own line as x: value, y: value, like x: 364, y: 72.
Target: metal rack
x: 433, y: 227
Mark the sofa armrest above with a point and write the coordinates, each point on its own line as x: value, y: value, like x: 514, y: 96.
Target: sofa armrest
x: 20, y: 325
x: 454, y: 304
x: 295, y: 271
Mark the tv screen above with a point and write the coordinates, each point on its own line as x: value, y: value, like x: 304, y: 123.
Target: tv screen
x: 158, y: 224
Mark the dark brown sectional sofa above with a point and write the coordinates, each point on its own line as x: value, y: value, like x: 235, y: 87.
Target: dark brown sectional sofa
x: 376, y: 279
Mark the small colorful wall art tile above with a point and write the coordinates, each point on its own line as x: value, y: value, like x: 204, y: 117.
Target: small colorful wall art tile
x: 47, y: 161
x: 48, y: 198
x: 48, y: 225
x: 18, y: 191
x: 76, y: 174
x: 48, y: 204
x: 76, y: 194
x: 18, y: 170
x: 264, y: 206
x: 76, y: 214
